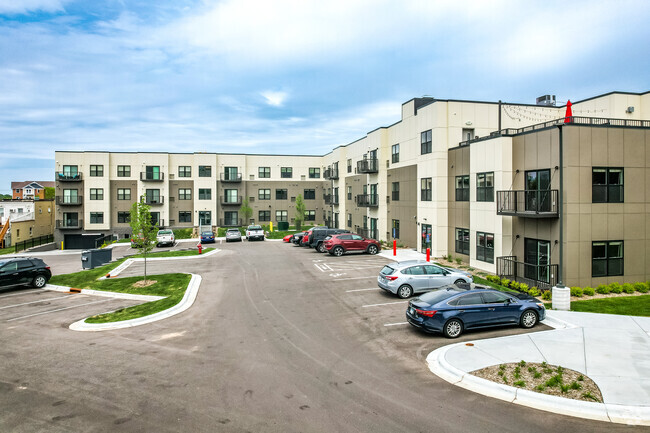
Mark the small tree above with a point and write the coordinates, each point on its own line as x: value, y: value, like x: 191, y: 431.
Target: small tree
x: 300, y: 212
x: 144, y: 232
x: 246, y: 211
x: 49, y: 193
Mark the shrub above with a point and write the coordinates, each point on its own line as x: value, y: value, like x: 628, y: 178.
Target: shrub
x: 641, y: 287
x: 628, y: 288
x: 493, y: 279
x: 603, y: 289
x: 523, y: 287
x: 588, y: 291
x: 576, y: 291
x: 546, y: 295
x: 459, y: 260
x: 535, y: 292
x: 515, y: 285
x: 520, y: 383
x: 450, y: 258
x: 505, y: 282
x: 615, y: 288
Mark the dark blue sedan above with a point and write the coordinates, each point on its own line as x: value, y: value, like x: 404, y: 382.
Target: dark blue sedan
x: 451, y: 310
x: 207, y: 237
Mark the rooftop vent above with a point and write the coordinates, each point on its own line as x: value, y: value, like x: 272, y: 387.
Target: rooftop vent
x: 547, y: 100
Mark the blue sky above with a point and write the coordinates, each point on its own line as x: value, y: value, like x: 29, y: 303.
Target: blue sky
x: 285, y: 76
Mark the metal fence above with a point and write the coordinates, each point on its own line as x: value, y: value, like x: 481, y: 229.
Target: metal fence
x: 104, y: 239
x: 30, y: 243
x: 541, y: 276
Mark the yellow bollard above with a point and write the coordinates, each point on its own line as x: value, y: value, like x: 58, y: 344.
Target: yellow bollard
x: 271, y: 225
x: 61, y: 245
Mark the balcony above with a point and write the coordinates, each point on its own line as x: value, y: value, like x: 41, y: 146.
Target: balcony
x: 528, y: 204
x: 331, y: 174
x: 229, y: 222
x: 69, y: 201
x: 152, y: 177
x: 541, y: 276
x: 368, y: 166
x: 68, y: 177
x: 331, y: 199
x: 230, y: 201
x: 368, y: 200
x: 154, y: 201
x: 231, y: 178
x: 368, y: 233
x: 69, y: 224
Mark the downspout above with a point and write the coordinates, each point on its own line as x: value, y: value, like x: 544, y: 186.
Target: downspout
x: 559, y: 209
x: 499, y: 128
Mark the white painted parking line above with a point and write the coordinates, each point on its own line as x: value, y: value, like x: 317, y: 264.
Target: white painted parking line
x: 396, y: 324
x: 357, y: 278
x: 23, y: 293
x: 36, y: 302
x: 58, y: 309
x: 386, y: 303
x: 362, y: 290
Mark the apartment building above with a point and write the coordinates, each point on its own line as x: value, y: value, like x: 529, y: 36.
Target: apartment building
x: 497, y: 184
x: 22, y: 220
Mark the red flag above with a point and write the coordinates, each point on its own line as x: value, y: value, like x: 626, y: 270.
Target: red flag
x: 569, y: 114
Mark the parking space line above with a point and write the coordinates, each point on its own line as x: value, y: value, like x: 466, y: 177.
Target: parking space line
x: 34, y: 302
x: 362, y: 290
x: 23, y: 293
x: 396, y: 324
x: 386, y: 303
x: 59, y: 309
x: 356, y: 278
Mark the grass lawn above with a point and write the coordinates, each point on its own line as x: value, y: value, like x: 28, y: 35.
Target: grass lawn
x: 484, y: 282
x: 624, y: 305
x: 8, y: 250
x: 193, y: 252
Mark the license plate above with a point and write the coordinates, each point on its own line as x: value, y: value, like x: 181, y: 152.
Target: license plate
x: 412, y: 311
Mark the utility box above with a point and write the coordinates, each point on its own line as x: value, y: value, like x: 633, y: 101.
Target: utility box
x: 91, y: 259
x: 283, y: 225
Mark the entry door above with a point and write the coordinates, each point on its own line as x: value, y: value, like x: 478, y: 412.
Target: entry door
x: 426, y: 237
x: 537, y: 256
x: 538, y: 194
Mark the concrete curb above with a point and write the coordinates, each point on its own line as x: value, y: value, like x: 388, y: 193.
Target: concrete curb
x: 116, y: 295
x: 126, y: 263
x: 556, y: 323
x: 632, y: 415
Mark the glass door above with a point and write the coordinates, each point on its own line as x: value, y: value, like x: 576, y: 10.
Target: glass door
x: 538, y: 193
x: 537, y: 256
x: 426, y: 237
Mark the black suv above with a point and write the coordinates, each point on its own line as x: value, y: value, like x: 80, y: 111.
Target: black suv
x: 318, y: 237
x: 24, y: 271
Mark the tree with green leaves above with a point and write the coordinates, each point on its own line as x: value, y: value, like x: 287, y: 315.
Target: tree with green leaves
x: 300, y: 212
x: 49, y: 193
x: 144, y: 232
x: 246, y: 211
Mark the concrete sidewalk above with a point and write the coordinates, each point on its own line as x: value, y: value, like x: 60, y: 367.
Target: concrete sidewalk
x: 612, y: 350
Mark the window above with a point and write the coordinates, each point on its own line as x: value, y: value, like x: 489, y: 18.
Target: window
x: 264, y: 194
x: 155, y: 218
x: 286, y: 171
x: 184, y: 171
x: 281, y: 215
x: 310, y: 194
x: 264, y: 216
x: 205, y: 194
x: 70, y: 219
x: 124, y: 193
x: 425, y: 189
x: 485, y: 247
x: 395, y: 191
x: 152, y: 196
x: 70, y: 171
x: 485, y: 186
x: 231, y: 196
x: 123, y: 217
x: 349, y: 193
x: 607, y: 185
x: 205, y: 171
x: 462, y: 188
x: 349, y: 220
x: 606, y: 258
x: 232, y: 218
x: 395, y: 229
x: 462, y: 241
x: 97, y: 170
x: 495, y: 297
x: 394, y: 153
x: 152, y: 172
x: 185, y: 194
x: 310, y: 215
x: 184, y: 216
x: 96, y: 217
x: 123, y: 171
x: 471, y: 299
x: 281, y: 194
x: 230, y: 173
x: 264, y: 172
x: 70, y: 196
x: 414, y: 270
x: 468, y: 134
x: 314, y: 173
x: 425, y: 142
x: 205, y: 218
x: 97, y: 193
x: 349, y: 166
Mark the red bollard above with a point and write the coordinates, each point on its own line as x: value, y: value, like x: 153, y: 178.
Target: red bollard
x: 428, y: 254
x: 394, y: 247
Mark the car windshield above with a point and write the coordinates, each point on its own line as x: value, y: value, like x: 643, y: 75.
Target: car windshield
x: 387, y: 270
x: 206, y: 234
x: 436, y: 296
x: 254, y: 227
x: 165, y: 232
x: 233, y: 231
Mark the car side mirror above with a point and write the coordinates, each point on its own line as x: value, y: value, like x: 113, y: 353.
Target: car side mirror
x: 445, y: 273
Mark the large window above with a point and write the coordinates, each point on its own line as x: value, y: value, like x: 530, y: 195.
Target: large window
x: 606, y: 258
x: 281, y: 215
x: 425, y: 189
x: 286, y: 172
x: 205, y: 194
x: 310, y: 194
x: 124, y: 193
x: 462, y: 188
x: 184, y: 171
x: 184, y: 216
x: 97, y: 170
x: 264, y: 216
x: 349, y: 220
x: 70, y: 171
x: 97, y: 193
x: 485, y: 186
x: 314, y: 173
x: 96, y: 217
x: 152, y: 196
x: 310, y: 215
x: 205, y: 217
x: 485, y: 247
x: 123, y: 217
x: 231, y: 196
x: 185, y: 194
x: 462, y: 241
x: 152, y: 172
x: 607, y: 185
x: 205, y: 171
x: 123, y: 171
x: 264, y: 172
x: 395, y: 191
x: 264, y: 194
x: 69, y: 196
x: 230, y: 173
x: 425, y: 142
x: 395, y: 153
x: 281, y: 194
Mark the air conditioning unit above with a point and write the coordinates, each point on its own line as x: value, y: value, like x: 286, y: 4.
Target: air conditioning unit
x: 547, y: 100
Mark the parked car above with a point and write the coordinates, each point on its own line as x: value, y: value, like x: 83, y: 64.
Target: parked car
x: 233, y: 235
x: 339, y: 244
x: 207, y: 237
x: 287, y: 238
x: 304, y: 242
x: 318, y: 235
x: 24, y: 271
x: 254, y: 232
x: 165, y: 237
x: 297, y: 237
x: 451, y: 310
x: 416, y: 276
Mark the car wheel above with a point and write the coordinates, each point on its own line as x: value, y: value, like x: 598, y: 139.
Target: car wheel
x: 338, y: 251
x: 528, y: 319
x: 459, y: 282
x: 372, y: 249
x: 321, y: 248
x: 405, y: 291
x: 39, y: 281
x: 453, y: 328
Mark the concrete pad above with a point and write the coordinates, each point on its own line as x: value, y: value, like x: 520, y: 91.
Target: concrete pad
x: 470, y: 358
x: 590, y: 320
x: 622, y: 390
x: 643, y: 323
x: 511, y: 349
x: 609, y: 351
x: 564, y: 347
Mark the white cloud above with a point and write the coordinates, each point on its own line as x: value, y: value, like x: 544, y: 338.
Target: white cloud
x: 19, y: 7
x: 275, y: 98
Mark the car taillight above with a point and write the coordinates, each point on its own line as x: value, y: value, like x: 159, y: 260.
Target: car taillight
x: 47, y: 267
x: 425, y: 313
x: 390, y: 277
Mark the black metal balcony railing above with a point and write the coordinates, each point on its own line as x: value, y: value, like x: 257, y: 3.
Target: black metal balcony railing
x: 69, y: 201
x: 68, y: 177
x: 369, y: 200
x: 368, y: 166
x: 531, y: 204
x: 229, y: 177
x: 541, y: 276
x: 331, y: 173
x: 230, y: 222
x: 69, y: 224
x: 152, y: 177
x: 154, y: 201
x: 368, y: 233
x: 230, y: 201
x: 331, y: 199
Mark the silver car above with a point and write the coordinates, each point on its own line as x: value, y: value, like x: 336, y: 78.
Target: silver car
x: 414, y: 276
x: 233, y: 235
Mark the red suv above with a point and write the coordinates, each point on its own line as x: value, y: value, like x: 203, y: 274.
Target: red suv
x: 337, y: 245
